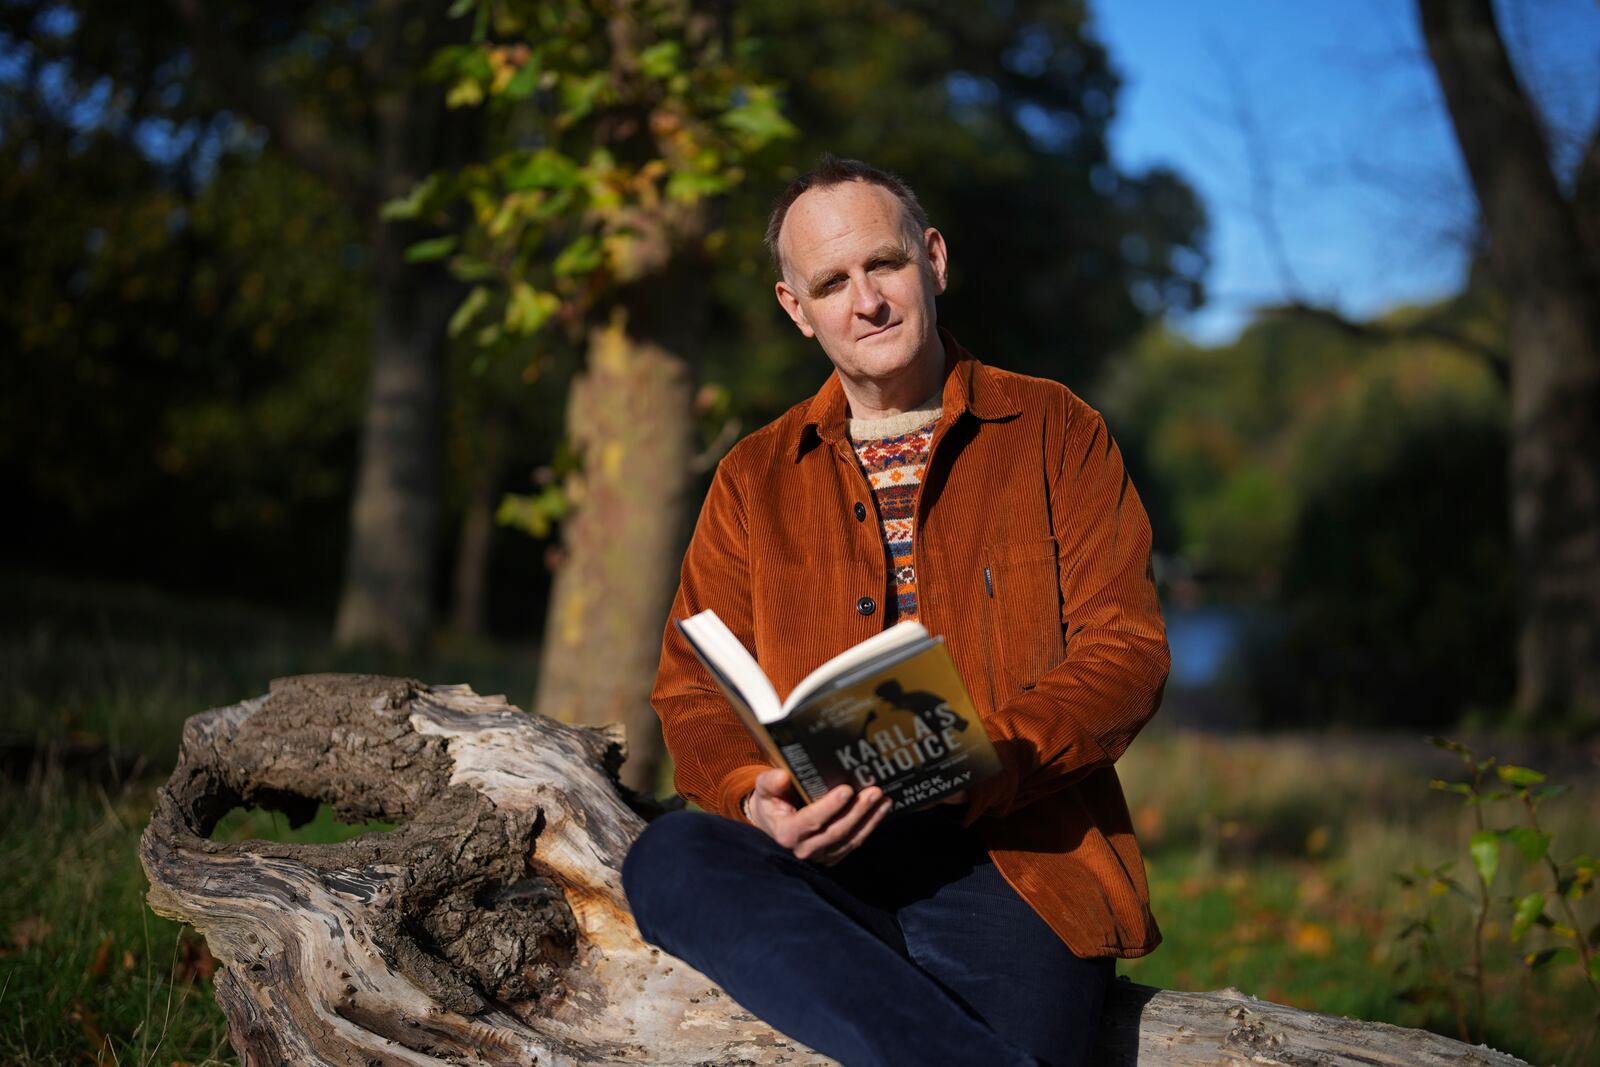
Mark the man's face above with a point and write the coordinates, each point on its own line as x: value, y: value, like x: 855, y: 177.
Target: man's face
x: 861, y: 281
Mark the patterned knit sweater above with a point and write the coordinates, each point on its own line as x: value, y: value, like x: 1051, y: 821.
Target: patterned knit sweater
x: 894, y: 453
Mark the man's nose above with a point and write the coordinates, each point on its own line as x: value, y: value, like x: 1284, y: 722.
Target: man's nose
x: 868, y: 297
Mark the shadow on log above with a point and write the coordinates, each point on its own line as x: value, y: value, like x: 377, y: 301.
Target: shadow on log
x: 489, y: 927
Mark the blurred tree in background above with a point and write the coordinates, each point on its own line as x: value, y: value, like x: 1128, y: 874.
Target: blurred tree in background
x: 1355, y: 483
x: 613, y: 126
x: 1543, y: 252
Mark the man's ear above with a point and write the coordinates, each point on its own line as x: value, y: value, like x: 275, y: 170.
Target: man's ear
x: 938, y: 257
x: 789, y: 300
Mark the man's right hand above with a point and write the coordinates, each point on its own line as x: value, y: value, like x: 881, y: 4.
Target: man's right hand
x: 824, y: 831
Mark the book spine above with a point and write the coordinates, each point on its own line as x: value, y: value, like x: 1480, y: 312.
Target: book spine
x: 805, y: 772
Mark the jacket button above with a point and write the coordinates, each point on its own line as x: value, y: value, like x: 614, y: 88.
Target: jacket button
x: 866, y: 605
x: 861, y: 512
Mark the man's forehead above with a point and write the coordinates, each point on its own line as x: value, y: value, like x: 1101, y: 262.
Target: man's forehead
x: 838, y: 219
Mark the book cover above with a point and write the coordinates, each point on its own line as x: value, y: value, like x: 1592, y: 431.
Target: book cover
x: 891, y: 711
x: 908, y: 727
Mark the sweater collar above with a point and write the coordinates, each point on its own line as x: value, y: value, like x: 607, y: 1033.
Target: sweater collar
x: 969, y: 386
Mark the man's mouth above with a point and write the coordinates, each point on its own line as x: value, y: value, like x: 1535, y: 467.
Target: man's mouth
x: 877, y: 332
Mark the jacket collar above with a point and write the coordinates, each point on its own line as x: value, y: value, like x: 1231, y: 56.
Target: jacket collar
x: 969, y: 386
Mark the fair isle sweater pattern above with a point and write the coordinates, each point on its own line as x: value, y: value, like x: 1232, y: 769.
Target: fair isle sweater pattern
x: 894, y: 454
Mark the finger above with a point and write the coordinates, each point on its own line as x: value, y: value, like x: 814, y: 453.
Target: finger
x: 819, y: 813
x: 840, y: 828
x: 880, y: 811
x: 770, y: 807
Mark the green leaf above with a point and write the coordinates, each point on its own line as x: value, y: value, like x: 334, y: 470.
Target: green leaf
x: 1552, y: 791
x: 1594, y: 968
x: 529, y: 308
x: 431, y: 249
x: 472, y: 269
x: 464, y: 93
x: 536, y: 514
x: 1450, y: 787
x: 459, y: 8
x: 1520, y: 776
x: 414, y: 203
x: 1533, y: 843
x: 660, y: 60
x: 689, y: 186
x: 579, y: 257
x: 579, y: 95
x: 1529, y: 908
x: 758, y: 119
x: 1445, y: 743
x: 1485, y: 849
x: 544, y: 169
x: 468, y: 310
x: 525, y: 81
x: 1547, y: 956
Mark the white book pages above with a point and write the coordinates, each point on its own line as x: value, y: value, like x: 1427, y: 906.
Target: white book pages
x: 717, y: 643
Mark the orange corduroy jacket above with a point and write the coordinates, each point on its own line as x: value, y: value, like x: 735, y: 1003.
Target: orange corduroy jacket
x: 1032, y: 556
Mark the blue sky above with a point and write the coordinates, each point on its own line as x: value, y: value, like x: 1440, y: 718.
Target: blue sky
x: 1322, y: 122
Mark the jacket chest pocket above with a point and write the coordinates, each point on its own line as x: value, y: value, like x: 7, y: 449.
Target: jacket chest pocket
x: 1024, y: 605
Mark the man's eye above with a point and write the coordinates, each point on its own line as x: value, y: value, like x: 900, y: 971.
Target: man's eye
x: 887, y: 264
x: 831, y: 284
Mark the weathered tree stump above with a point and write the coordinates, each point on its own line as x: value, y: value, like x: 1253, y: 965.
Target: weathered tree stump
x: 490, y: 927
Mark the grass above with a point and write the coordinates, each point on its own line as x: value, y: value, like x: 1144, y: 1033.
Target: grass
x: 1271, y: 859
x: 1272, y: 863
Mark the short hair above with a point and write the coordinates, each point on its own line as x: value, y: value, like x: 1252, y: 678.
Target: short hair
x: 829, y: 171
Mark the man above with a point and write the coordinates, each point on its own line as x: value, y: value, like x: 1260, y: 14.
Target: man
x: 981, y: 932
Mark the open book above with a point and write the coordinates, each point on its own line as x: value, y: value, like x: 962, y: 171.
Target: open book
x: 890, y: 711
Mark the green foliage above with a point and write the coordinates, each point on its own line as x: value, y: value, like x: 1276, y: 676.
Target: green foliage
x: 1357, y: 488
x: 614, y: 123
x: 1566, y: 883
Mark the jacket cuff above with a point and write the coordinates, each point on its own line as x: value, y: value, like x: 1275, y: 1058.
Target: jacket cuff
x: 737, y: 785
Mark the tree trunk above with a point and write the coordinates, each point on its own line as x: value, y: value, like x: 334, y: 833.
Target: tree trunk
x: 1540, y: 260
x: 490, y: 927
x: 470, y: 591
x: 630, y: 419
x: 387, y: 598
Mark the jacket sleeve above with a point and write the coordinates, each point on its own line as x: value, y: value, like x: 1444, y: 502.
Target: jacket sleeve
x: 716, y: 762
x: 1082, y: 713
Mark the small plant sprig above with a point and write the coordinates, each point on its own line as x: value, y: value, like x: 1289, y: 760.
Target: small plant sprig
x: 1487, y: 781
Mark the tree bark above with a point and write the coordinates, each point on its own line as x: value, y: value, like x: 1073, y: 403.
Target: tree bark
x: 387, y: 599
x: 1540, y: 258
x: 470, y: 590
x: 630, y: 419
x: 490, y: 927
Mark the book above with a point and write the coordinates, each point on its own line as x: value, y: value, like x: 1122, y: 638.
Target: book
x: 891, y: 711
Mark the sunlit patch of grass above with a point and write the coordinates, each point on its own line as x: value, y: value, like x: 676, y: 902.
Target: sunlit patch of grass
x: 1272, y: 863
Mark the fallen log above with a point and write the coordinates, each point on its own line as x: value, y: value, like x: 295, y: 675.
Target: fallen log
x: 489, y: 926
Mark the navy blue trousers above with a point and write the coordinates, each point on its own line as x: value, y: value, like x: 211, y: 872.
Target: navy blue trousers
x: 912, y: 950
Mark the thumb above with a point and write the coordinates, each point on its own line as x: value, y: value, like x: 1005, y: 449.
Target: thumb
x: 772, y: 783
